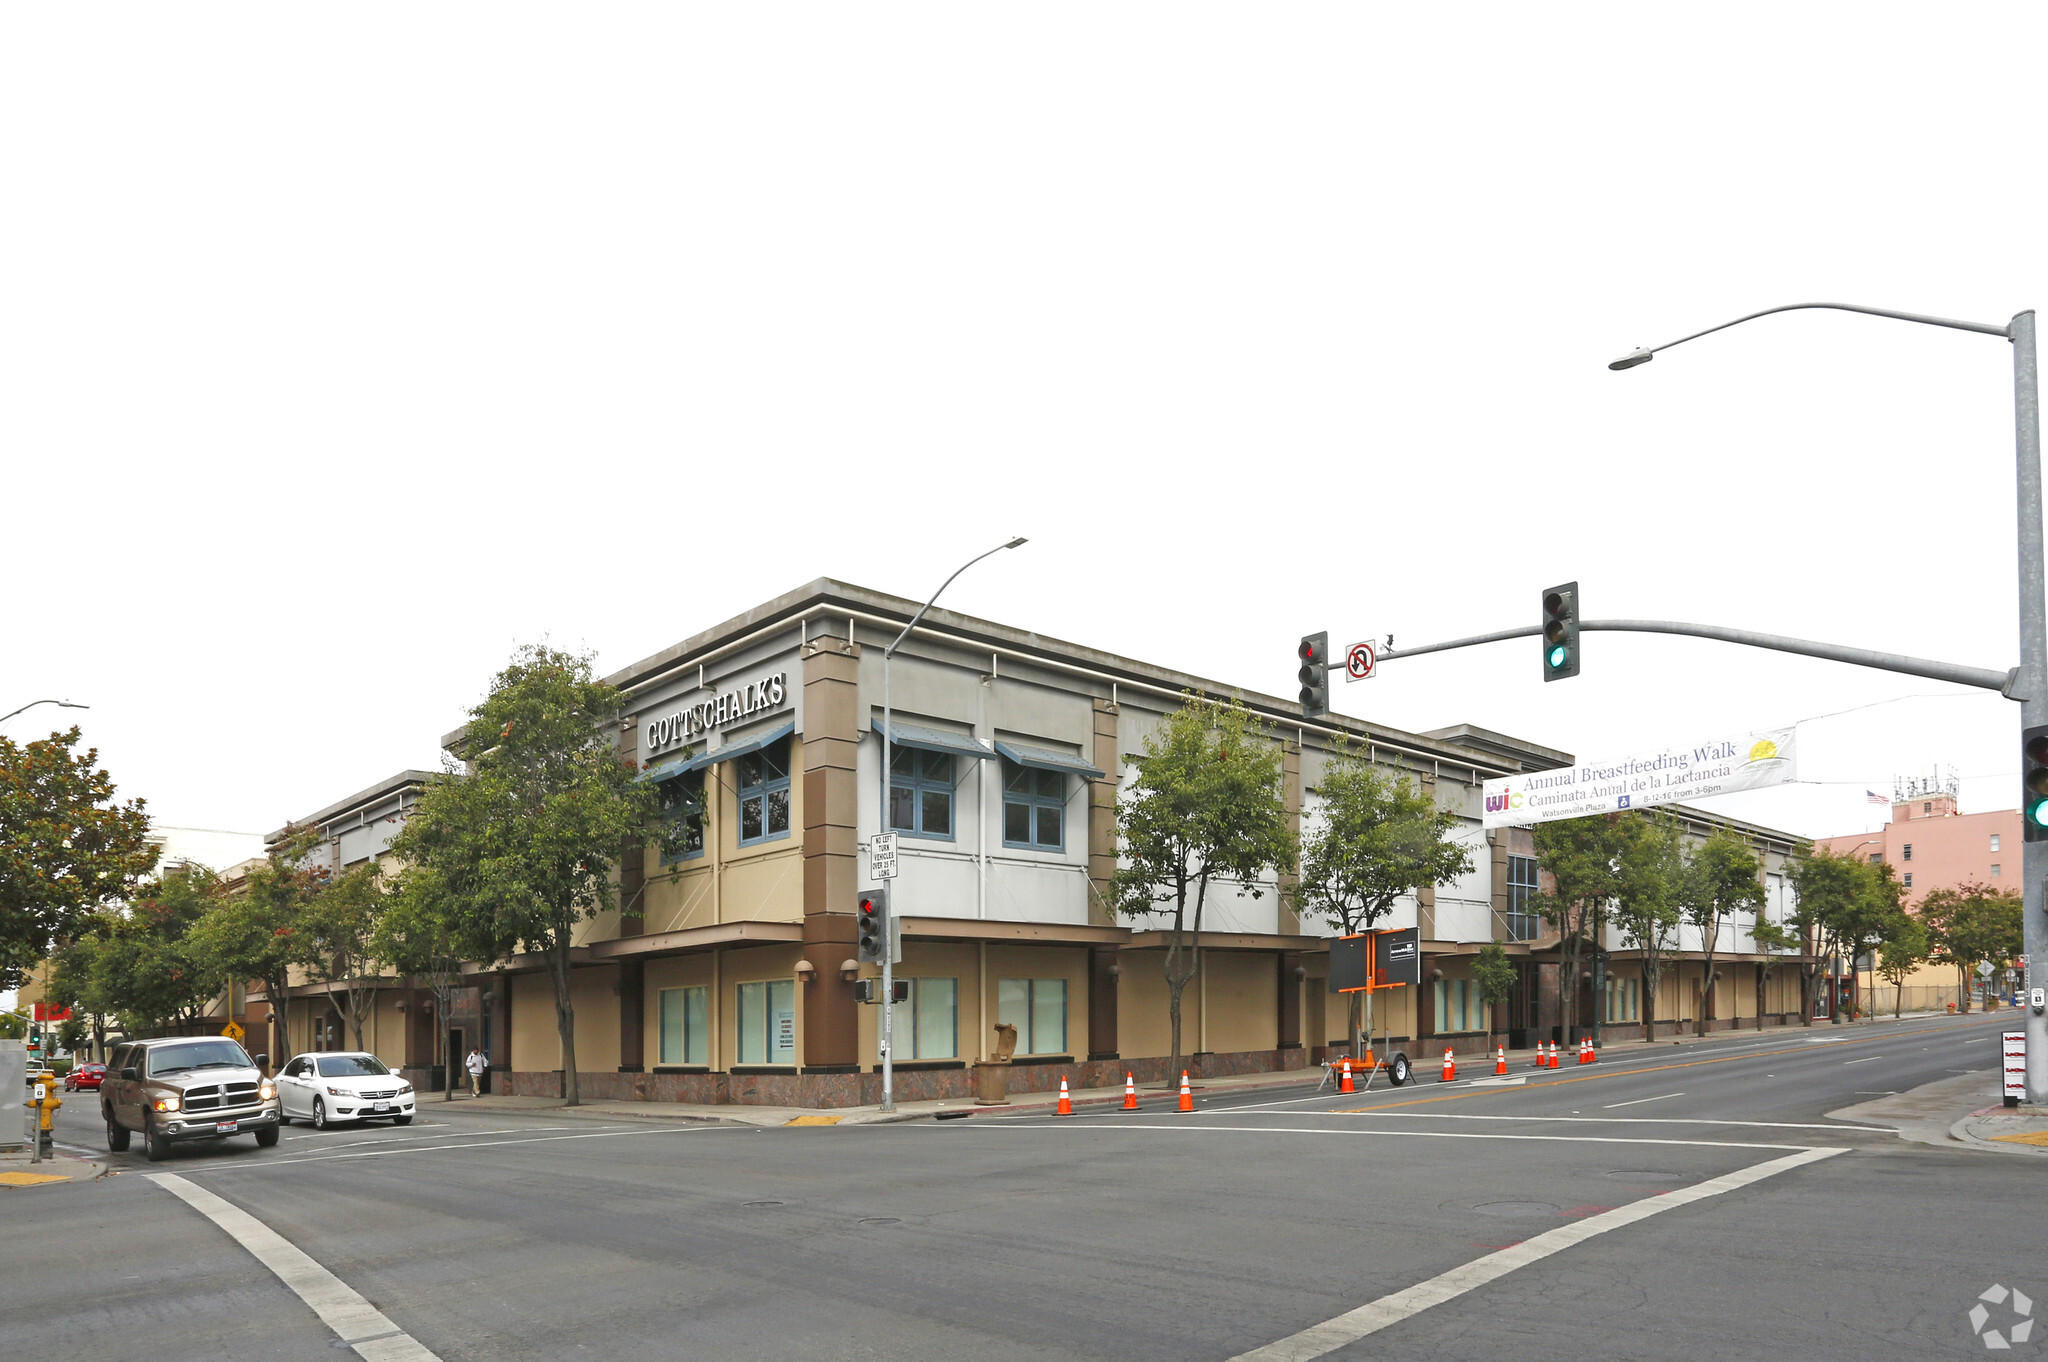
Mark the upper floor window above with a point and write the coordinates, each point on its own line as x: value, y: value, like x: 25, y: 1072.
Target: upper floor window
x: 921, y: 792
x: 1523, y: 922
x: 763, y: 780
x: 1034, y: 807
x: 1994, y: 870
x: 1927, y: 807
x: 1907, y: 854
x: 1876, y: 858
x: 1909, y: 879
x: 1994, y: 841
x: 682, y: 815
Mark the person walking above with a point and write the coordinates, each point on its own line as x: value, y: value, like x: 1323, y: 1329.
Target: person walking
x: 476, y: 1065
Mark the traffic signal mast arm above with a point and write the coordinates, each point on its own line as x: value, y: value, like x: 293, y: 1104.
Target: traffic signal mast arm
x: 1834, y: 652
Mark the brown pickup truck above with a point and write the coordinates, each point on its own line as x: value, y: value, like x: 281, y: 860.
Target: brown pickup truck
x: 176, y: 1088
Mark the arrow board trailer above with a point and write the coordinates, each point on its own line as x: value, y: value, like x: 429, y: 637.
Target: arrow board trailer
x: 1371, y: 961
x: 1678, y: 774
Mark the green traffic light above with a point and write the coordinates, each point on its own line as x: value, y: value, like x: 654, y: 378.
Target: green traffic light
x: 1558, y: 655
x: 2037, y: 812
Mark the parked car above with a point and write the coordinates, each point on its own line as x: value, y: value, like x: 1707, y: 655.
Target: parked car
x: 342, y: 1085
x: 82, y: 1076
x: 176, y: 1088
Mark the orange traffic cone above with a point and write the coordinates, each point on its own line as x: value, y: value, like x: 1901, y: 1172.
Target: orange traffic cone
x: 1130, y: 1092
x: 1553, y: 1054
x: 1500, y: 1062
x: 1585, y: 1049
x: 1066, y: 1107
x: 1450, y: 1067
x: 1187, y: 1094
x: 1344, y: 1083
x: 1542, y: 1059
x: 1592, y: 1055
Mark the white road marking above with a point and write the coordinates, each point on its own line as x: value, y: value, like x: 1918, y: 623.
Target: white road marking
x: 400, y: 1139
x: 1604, y: 1120
x: 1056, y: 1124
x: 1865, y: 1060
x: 360, y: 1324
x: 1501, y: 1082
x: 1640, y: 1100
x: 1353, y: 1325
x: 422, y: 1147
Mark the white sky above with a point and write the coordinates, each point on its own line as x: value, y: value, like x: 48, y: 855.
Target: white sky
x: 344, y: 349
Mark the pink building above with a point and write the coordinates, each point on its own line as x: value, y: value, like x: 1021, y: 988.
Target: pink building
x: 1932, y: 846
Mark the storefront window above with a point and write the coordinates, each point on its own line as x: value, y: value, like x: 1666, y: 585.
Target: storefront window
x: 921, y: 792
x: 767, y: 1022
x: 685, y: 1026
x: 1034, y: 808
x: 682, y: 813
x: 1038, y: 1009
x: 933, y: 1015
x: 763, y: 780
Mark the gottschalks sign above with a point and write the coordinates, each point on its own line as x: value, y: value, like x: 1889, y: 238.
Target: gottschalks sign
x: 1675, y: 775
x: 717, y: 712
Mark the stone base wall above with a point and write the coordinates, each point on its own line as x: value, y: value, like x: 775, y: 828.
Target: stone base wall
x: 865, y: 1089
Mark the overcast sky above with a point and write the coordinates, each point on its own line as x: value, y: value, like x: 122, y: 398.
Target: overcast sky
x: 345, y: 349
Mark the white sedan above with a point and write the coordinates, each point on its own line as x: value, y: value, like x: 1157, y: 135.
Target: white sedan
x: 346, y: 1085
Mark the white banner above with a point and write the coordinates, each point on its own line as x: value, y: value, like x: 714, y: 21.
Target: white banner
x: 1673, y: 776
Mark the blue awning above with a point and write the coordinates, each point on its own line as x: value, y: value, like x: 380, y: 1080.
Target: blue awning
x: 933, y: 740
x: 1045, y: 759
x: 718, y: 754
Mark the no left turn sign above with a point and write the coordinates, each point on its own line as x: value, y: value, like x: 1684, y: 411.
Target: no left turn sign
x: 1358, y: 662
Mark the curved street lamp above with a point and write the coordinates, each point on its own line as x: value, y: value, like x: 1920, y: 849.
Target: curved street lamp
x: 2029, y: 683
x: 62, y: 704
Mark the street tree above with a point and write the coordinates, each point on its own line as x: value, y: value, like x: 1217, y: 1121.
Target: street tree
x: 67, y: 847
x: 419, y: 936
x: 525, y: 842
x: 1494, y: 975
x: 1722, y: 877
x: 1845, y: 905
x: 1584, y: 859
x: 1972, y: 924
x: 1774, y: 938
x: 1645, y: 915
x: 337, y: 942
x: 1901, y: 950
x: 254, y: 933
x: 1206, y: 809
x: 1377, y: 836
x: 147, y: 968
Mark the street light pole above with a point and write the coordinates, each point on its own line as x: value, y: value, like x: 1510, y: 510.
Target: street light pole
x: 61, y: 704
x: 2029, y: 683
x: 888, y: 722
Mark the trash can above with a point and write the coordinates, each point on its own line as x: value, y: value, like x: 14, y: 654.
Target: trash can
x: 992, y: 1075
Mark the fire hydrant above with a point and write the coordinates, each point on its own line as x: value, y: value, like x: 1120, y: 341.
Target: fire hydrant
x: 46, y: 1103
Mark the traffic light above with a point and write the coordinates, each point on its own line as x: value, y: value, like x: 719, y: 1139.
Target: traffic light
x: 873, y: 925
x: 870, y: 990
x: 2034, y: 782
x: 1561, y: 632
x: 1315, y: 674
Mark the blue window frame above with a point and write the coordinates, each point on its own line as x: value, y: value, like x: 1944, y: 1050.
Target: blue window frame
x: 682, y: 813
x: 921, y: 792
x: 763, y: 781
x: 1524, y: 923
x: 1034, y: 807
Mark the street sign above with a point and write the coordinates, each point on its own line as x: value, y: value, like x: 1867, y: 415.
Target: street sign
x: 2015, y: 1067
x: 233, y: 1031
x: 1358, y: 661
x: 882, y: 855
x: 1983, y: 969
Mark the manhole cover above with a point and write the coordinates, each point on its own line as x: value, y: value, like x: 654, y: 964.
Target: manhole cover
x: 881, y: 1220
x: 1646, y: 1175
x: 757, y: 1205
x: 1516, y: 1208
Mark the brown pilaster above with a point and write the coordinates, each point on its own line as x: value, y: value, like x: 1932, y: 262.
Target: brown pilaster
x: 1497, y: 852
x: 497, y: 996
x: 1103, y: 973
x: 633, y: 857
x: 1425, y: 895
x: 1290, y: 1000
x: 632, y: 1015
x: 1290, y: 795
x: 831, y: 740
x: 1102, y: 823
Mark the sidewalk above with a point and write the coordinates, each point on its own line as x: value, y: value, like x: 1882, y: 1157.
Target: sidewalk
x: 16, y: 1171
x: 1427, y: 1059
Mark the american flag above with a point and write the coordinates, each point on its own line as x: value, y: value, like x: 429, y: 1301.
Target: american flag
x: 1876, y: 798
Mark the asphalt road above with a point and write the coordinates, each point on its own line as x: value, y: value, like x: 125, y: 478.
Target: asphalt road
x: 1437, y: 1214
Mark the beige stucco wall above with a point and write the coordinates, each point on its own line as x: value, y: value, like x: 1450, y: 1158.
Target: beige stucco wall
x: 536, y: 1045
x: 730, y: 883
x: 1240, y: 1003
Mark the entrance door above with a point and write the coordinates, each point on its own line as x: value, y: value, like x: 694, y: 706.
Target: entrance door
x: 459, y: 1052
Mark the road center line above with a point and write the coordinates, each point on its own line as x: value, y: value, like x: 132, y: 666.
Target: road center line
x: 1640, y: 1100
x: 1353, y: 1325
x: 1053, y: 1123
x: 360, y: 1324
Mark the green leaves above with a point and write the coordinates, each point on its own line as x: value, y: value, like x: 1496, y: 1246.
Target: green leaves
x: 66, y: 847
x: 1379, y: 836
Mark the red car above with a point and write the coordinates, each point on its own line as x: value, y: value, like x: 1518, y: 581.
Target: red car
x: 84, y: 1076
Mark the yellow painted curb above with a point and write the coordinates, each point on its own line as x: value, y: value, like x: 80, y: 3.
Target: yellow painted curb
x: 2034, y: 1137
x: 31, y: 1179
x: 813, y: 1121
